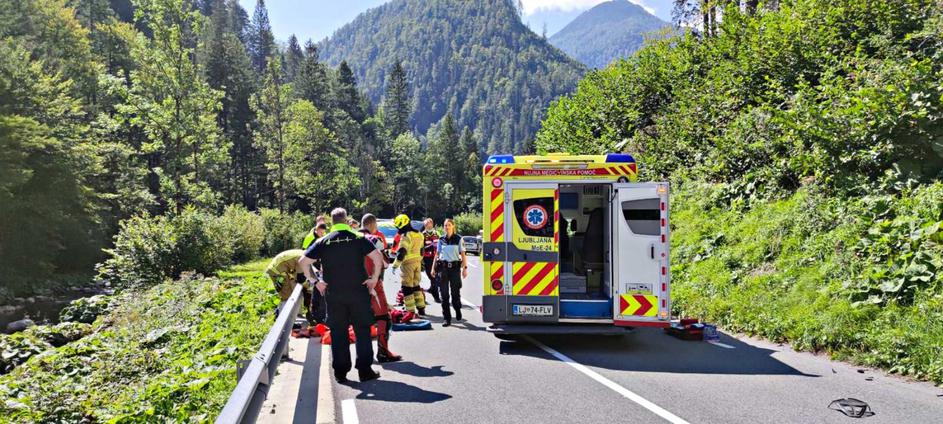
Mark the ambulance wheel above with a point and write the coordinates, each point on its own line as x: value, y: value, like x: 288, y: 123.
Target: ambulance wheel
x: 506, y: 337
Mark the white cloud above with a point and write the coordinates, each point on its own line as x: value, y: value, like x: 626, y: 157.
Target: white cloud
x: 534, y: 6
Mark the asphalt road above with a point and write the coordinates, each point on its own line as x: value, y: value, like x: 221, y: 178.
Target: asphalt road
x: 463, y: 374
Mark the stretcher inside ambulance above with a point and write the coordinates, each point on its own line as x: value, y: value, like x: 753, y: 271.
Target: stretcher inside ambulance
x: 573, y: 244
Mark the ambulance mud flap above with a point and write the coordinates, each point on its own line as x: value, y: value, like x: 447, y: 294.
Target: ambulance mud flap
x: 494, y: 308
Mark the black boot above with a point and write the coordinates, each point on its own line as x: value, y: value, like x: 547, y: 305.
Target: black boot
x: 368, y: 374
x: 341, y: 378
x: 458, y: 314
x: 447, y: 323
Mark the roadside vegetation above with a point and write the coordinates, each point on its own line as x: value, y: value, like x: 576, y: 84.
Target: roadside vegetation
x: 804, y: 143
x: 164, y: 354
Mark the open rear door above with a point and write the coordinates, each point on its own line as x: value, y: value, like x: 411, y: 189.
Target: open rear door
x: 640, y: 241
x: 532, y: 252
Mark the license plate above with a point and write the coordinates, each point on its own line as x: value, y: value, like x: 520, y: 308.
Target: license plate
x: 532, y: 310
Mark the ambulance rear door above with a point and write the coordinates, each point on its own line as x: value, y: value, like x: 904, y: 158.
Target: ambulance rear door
x: 640, y: 241
x: 532, y: 255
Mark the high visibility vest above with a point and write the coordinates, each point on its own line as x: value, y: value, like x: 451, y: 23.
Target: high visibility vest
x: 310, y: 238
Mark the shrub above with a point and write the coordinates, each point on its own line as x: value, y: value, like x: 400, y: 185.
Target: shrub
x: 198, y: 246
x: 468, y: 223
x: 243, y: 230
x: 284, y: 231
x: 86, y: 309
x: 143, y: 253
x: 149, y: 249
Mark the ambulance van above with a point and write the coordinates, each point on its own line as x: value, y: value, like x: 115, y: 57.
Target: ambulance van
x: 573, y: 244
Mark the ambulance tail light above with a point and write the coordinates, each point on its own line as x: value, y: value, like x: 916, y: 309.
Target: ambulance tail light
x: 496, y: 285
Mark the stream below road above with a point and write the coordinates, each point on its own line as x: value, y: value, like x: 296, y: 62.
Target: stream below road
x: 42, y: 309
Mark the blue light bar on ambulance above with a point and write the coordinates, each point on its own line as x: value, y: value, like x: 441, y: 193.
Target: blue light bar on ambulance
x: 501, y: 159
x: 619, y: 158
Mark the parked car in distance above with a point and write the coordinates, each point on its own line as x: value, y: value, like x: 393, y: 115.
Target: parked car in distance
x: 472, y: 244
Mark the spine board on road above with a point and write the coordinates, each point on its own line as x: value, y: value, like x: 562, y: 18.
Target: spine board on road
x: 575, y: 241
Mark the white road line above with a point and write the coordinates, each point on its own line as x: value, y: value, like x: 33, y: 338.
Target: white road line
x: 645, y: 403
x: 325, y: 414
x: 349, y: 411
x: 723, y: 345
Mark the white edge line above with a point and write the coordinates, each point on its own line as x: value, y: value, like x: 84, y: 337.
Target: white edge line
x: 723, y: 345
x: 325, y: 414
x: 628, y: 394
x: 349, y: 410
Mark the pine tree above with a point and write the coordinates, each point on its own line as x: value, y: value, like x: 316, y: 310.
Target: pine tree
x: 397, y: 109
x: 270, y: 105
x: 311, y: 83
x: 444, y: 175
x: 228, y: 69
x: 261, y: 42
x: 406, y: 171
x: 471, y: 184
x: 346, y: 96
x: 293, y: 58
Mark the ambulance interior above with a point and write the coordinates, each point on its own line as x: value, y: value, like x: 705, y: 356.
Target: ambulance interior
x: 585, y: 287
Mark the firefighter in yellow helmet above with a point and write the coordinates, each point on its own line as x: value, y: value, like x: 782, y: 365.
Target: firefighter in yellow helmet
x: 409, y: 256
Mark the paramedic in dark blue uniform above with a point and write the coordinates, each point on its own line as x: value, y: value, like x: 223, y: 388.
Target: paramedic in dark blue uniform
x: 347, y: 289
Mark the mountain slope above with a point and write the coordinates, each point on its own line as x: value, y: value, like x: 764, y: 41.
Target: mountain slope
x: 474, y: 59
x: 608, y: 31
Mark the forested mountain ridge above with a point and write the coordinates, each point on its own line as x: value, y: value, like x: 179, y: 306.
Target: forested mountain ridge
x: 473, y: 59
x: 607, y: 32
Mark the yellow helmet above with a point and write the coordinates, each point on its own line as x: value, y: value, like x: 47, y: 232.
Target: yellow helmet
x: 401, y: 221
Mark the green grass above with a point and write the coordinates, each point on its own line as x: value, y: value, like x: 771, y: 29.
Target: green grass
x: 165, y: 354
x: 860, y: 279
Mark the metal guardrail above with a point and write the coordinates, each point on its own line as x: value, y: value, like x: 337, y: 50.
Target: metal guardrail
x: 256, y: 377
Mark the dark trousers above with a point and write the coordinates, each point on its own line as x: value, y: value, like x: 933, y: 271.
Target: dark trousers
x: 451, y: 281
x: 343, y: 311
x: 433, y: 278
x: 317, y: 308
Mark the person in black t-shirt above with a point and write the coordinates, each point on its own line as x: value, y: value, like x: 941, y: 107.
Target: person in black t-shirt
x: 347, y: 289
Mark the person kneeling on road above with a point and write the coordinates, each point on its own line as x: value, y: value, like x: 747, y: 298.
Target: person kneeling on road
x: 452, y: 265
x: 347, y: 289
x: 285, y: 271
x: 409, y: 256
x: 378, y: 302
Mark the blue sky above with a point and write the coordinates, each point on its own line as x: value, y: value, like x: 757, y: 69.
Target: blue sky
x: 316, y: 19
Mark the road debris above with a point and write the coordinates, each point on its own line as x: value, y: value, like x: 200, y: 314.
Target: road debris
x: 851, y: 407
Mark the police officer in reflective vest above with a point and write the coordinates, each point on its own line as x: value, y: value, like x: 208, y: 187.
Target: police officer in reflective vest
x: 347, y: 289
